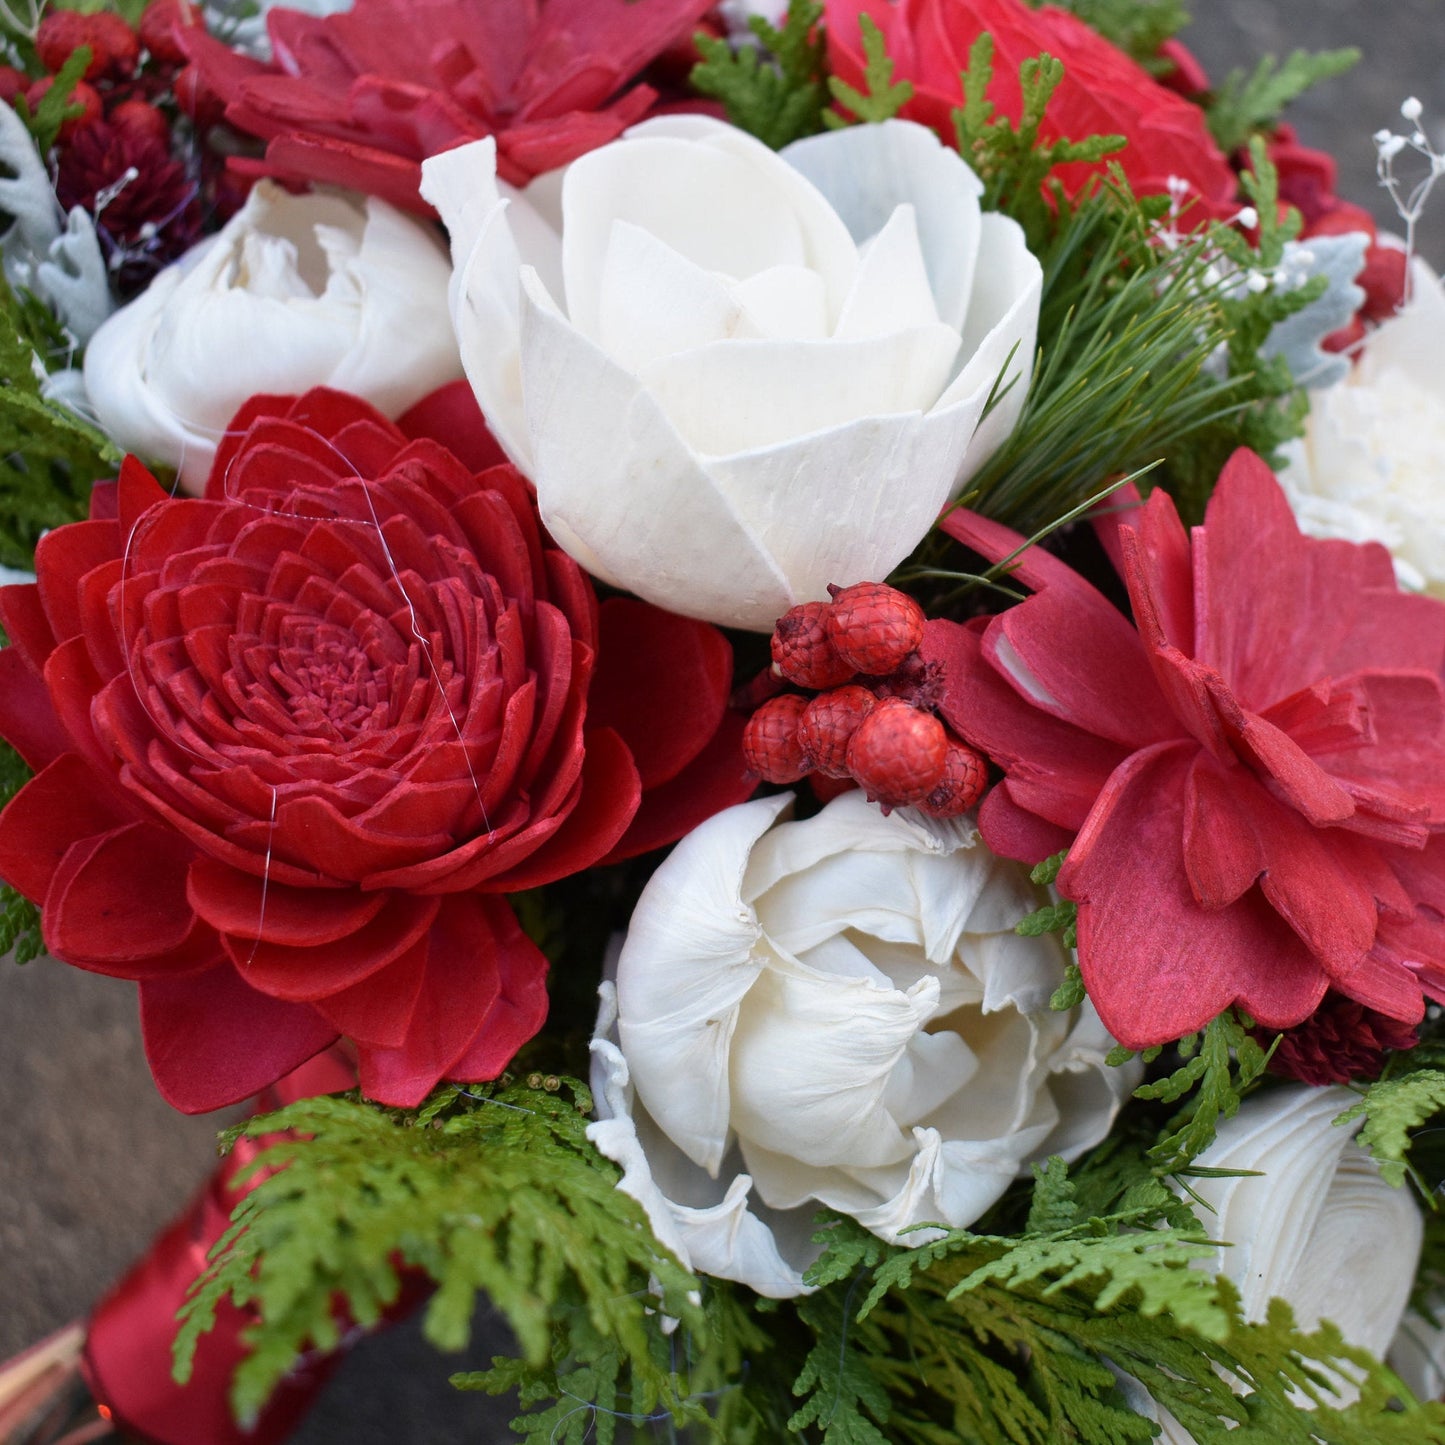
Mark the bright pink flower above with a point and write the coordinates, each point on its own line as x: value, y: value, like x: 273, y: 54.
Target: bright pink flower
x: 362, y: 97
x: 295, y: 743
x: 1251, y: 783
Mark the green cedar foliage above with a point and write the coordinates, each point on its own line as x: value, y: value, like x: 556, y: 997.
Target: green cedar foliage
x: 775, y: 89
x: 973, y: 1337
x: 1409, y: 1095
x: 55, y: 106
x: 1137, y: 27
x: 495, y: 1189
x: 884, y: 97
x: 1244, y: 106
x: 48, y: 456
x: 1009, y: 159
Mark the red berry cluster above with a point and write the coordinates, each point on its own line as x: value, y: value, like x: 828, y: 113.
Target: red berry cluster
x: 869, y: 722
x: 122, y: 158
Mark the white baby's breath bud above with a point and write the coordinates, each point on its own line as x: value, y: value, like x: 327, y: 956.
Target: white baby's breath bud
x: 1249, y: 218
x: 1411, y: 109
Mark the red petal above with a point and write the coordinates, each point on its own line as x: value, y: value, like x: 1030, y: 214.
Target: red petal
x: 305, y: 974
x: 661, y: 683
x: 1156, y: 964
x: 27, y: 719
x: 245, y: 906
x: 62, y: 805
x: 1014, y: 832
x: 117, y: 903
x: 378, y: 1010
x: 211, y: 1040
x: 715, y: 779
x: 462, y: 983
x: 519, y: 1011
x: 451, y: 416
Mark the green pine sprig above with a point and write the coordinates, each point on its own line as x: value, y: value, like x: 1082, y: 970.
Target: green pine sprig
x: 774, y: 90
x: 495, y: 1190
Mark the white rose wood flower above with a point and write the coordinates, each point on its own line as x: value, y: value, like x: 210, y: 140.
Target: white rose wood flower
x: 293, y: 292
x: 1371, y: 466
x: 735, y: 375
x: 836, y: 1012
x: 1316, y: 1226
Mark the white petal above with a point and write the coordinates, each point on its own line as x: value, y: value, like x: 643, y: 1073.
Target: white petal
x: 687, y: 963
x: 811, y: 1060
x: 784, y: 302
x: 999, y: 340
x: 737, y: 396
x: 866, y: 171
x: 652, y: 301
x: 620, y: 491
x: 891, y: 292
x: 1319, y: 1197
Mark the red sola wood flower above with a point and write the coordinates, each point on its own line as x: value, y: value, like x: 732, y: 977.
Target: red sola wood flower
x: 296, y: 741
x: 1250, y: 780
x: 360, y: 98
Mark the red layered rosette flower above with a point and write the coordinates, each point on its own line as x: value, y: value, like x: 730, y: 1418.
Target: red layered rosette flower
x: 1103, y: 91
x: 1251, y: 783
x: 296, y: 740
x: 360, y: 98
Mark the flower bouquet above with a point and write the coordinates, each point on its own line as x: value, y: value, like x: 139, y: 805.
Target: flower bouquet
x: 772, y: 676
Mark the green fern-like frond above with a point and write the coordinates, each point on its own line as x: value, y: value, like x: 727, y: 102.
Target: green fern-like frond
x: 774, y: 90
x: 1247, y: 104
x: 1392, y: 1109
x: 884, y: 97
x: 493, y: 1190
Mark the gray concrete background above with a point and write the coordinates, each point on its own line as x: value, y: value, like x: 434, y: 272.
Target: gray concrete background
x: 91, y: 1160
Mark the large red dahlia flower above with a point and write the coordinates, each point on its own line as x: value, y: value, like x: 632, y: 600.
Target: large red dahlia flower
x: 295, y: 741
x: 1251, y: 785
x: 362, y: 97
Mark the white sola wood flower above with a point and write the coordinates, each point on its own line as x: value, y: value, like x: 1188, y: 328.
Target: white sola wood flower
x: 836, y: 1012
x: 1314, y: 1225
x: 1371, y: 467
x: 735, y: 375
x: 293, y: 292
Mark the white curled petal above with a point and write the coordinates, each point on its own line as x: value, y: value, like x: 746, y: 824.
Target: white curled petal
x: 999, y: 340
x: 689, y: 959
x: 403, y: 345
x: 1318, y: 1196
x: 891, y: 292
x: 620, y: 490
x: 811, y: 1061
x: 867, y: 171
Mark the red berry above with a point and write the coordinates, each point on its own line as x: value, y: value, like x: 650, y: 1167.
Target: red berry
x: 897, y: 753
x: 12, y: 83
x: 828, y: 722
x: 770, y: 740
x: 83, y: 95
x: 965, y: 775
x: 140, y: 119
x: 197, y: 100
x: 874, y: 626
x: 802, y: 652
x: 157, y: 29
x: 114, y: 49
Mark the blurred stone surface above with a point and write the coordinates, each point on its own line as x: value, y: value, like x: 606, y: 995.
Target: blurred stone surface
x: 92, y: 1162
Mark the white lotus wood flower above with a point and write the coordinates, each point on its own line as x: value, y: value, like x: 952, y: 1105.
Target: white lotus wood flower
x: 836, y: 1012
x: 1371, y: 465
x: 293, y: 292
x: 1316, y: 1225
x: 735, y: 375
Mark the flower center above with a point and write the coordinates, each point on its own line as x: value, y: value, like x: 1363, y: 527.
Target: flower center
x: 330, y: 686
